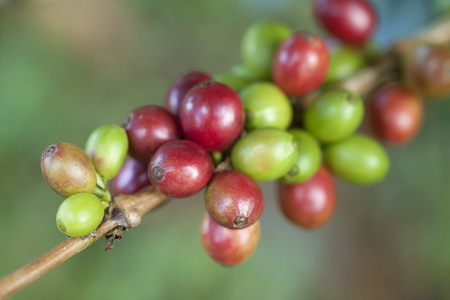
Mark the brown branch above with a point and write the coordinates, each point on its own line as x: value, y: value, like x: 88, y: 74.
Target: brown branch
x: 127, y: 210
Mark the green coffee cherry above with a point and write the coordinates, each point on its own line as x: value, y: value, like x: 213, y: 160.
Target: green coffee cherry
x: 266, y: 105
x: 68, y: 169
x: 236, y: 78
x: 107, y: 146
x: 358, y: 159
x: 265, y: 154
x: 79, y: 214
x: 334, y: 115
x: 344, y: 62
x: 259, y: 45
x: 308, y: 160
x: 228, y: 78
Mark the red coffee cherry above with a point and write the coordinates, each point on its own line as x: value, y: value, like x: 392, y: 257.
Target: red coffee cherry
x: 180, y: 88
x: 212, y: 115
x: 226, y: 246
x: 234, y: 200
x: 132, y: 177
x: 310, y: 203
x: 300, y: 64
x: 395, y: 114
x: 148, y: 127
x: 180, y: 168
x: 351, y: 21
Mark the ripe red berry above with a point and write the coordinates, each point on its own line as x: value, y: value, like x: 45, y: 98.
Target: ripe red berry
x: 180, y: 88
x: 351, y: 21
x: 180, y: 168
x: 395, y: 114
x: 300, y: 64
x: 233, y: 199
x: 226, y: 246
x: 148, y: 127
x: 310, y: 203
x: 132, y: 177
x: 212, y: 115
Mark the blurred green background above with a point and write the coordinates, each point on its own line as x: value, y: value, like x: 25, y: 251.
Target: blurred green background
x: 67, y: 67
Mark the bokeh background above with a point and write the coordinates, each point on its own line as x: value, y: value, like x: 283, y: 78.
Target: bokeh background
x: 67, y: 67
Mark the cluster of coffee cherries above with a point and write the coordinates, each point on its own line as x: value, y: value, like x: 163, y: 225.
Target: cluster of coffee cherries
x: 225, y: 132
x: 81, y: 175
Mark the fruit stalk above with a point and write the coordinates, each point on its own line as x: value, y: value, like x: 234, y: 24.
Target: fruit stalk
x: 126, y: 212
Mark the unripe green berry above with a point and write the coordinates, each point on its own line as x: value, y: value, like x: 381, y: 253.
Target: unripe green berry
x: 79, y: 214
x: 265, y: 154
x: 107, y: 146
x: 68, y: 169
x: 308, y: 160
x: 259, y: 44
x: 266, y: 105
x: 358, y: 159
x: 236, y: 77
x: 344, y: 62
x: 334, y: 115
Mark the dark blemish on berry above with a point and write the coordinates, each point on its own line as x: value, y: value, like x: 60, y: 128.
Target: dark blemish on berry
x: 157, y: 174
x: 240, y: 222
x: 49, y: 151
x: 350, y: 99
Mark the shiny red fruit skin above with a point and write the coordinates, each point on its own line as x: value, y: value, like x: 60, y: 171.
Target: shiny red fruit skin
x: 148, y: 127
x: 395, y: 114
x: 300, y: 64
x: 234, y: 199
x: 212, y: 115
x: 311, y: 203
x: 180, y: 168
x: 132, y: 177
x: 180, y: 88
x: 228, y: 247
x: 351, y: 21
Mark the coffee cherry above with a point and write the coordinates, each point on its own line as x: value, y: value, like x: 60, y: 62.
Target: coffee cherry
x: 266, y: 106
x: 107, y: 146
x: 180, y: 168
x: 233, y: 199
x: 345, y: 61
x: 149, y: 127
x: 132, y: 178
x: 236, y: 78
x: 334, y: 115
x: 228, y: 247
x: 231, y: 80
x: 265, y: 154
x: 212, y: 115
x: 310, y: 203
x: 358, y: 159
x: 395, y: 114
x: 308, y: 160
x: 426, y: 70
x: 180, y: 88
x: 351, y: 21
x: 300, y: 64
x: 68, y: 170
x: 259, y: 45
x: 79, y: 214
